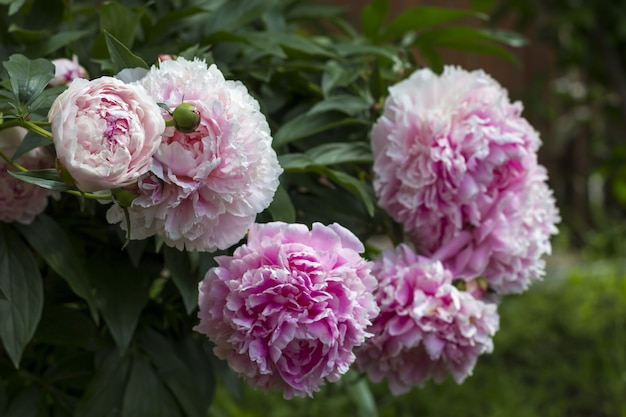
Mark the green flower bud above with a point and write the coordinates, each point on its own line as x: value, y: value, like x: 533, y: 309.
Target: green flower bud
x: 186, y: 117
x: 125, y: 196
x: 64, y: 174
x: 460, y: 284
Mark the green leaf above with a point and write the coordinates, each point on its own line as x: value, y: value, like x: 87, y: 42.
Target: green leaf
x: 46, y: 178
x: 121, y: 294
x: 121, y: 56
x: 362, y: 398
x: 507, y: 37
x: 116, y: 20
x: 386, y: 52
x: 175, y: 374
x: 344, y: 103
x: 28, y: 78
x: 376, y: 83
x: 145, y: 394
x: 423, y: 17
x: 340, y: 152
x: 31, y: 141
x: 373, y: 17
x: 336, y: 75
x: 27, y: 36
x: 295, y: 43
x: 282, y: 208
x: 55, y: 42
x: 67, y: 326
x: 27, y: 403
x: 464, y: 38
x: 355, y: 186
x: 183, y: 275
x: 21, y: 283
x: 435, y: 61
x: 307, y: 125
x: 236, y: 14
x: 52, y: 243
x: 295, y: 162
x: 14, y: 5
x: 103, y: 397
x: 196, y: 353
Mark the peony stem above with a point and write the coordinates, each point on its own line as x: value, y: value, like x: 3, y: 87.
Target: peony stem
x: 34, y: 127
x: 91, y: 196
x: 12, y: 163
x: 9, y: 123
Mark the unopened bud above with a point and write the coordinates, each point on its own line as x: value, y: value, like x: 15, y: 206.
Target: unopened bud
x: 64, y: 174
x: 460, y: 284
x: 125, y: 196
x: 186, y: 117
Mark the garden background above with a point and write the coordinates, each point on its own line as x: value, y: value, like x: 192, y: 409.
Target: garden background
x: 561, y: 347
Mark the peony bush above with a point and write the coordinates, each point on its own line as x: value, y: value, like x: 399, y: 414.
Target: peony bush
x: 220, y: 176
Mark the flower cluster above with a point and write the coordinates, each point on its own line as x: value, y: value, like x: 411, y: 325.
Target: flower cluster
x: 198, y: 183
x: 19, y: 201
x: 427, y: 328
x: 187, y: 155
x: 206, y: 187
x: 288, y: 308
x: 456, y: 165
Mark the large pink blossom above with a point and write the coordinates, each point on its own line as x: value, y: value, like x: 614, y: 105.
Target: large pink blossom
x: 455, y: 158
x: 506, y: 248
x: 19, y: 201
x: 205, y: 187
x: 288, y: 308
x: 105, y: 132
x: 427, y: 328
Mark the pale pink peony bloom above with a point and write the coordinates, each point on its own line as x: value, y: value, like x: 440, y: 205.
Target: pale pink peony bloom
x: 19, y: 201
x: 105, y: 132
x: 66, y: 71
x: 452, y: 155
x: 288, y: 308
x: 205, y: 187
x: 427, y: 328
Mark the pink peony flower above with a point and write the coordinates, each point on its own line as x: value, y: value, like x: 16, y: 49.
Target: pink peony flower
x: 451, y: 155
x: 105, y: 132
x: 427, y: 328
x: 288, y: 308
x: 205, y: 187
x: 19, y: 201
x: 66, y: 71
x: 506, y: 248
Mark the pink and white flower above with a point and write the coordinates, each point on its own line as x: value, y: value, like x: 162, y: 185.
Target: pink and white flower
x: 288, y: 308
x: 206, y: 187
x: 105, y: 132
x: 427, y: 328
x: 452, y: 154
x: 66, y: 71
x: 19, y: 201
